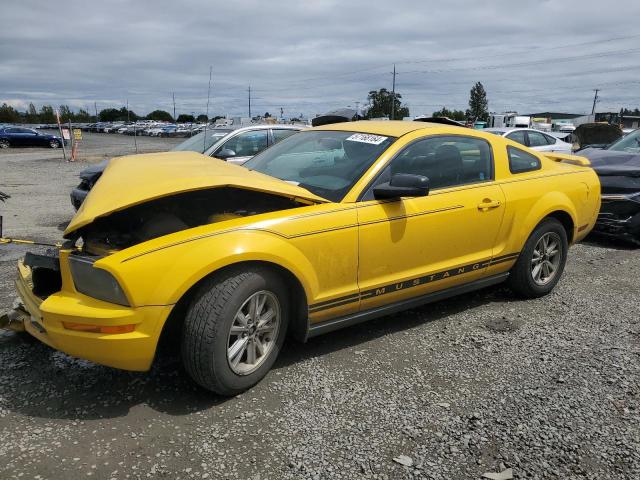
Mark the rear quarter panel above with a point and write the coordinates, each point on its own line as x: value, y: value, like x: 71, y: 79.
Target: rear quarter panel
x: 531, y: 196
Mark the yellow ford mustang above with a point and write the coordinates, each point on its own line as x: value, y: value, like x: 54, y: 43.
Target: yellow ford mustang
x: 328, y: 228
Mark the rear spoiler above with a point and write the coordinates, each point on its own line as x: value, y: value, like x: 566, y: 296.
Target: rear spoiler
x: 566, y: 158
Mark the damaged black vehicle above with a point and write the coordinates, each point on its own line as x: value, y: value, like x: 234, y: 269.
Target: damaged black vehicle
x: 618, y: 167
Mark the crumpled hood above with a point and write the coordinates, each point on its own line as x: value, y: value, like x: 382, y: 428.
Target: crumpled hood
x: 613, y: 163
x: 129, y: 181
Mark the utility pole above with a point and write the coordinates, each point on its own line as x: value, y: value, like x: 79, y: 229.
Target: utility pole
x: 173, y: 95
x: 95, y: 106
x: 249, y: 102
x: 357, y: 111
x: 204, y: 140
x: 595, y: 99
x: 135, y: 133
x: 393, y: 94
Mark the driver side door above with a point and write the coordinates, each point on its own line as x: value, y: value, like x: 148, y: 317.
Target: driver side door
x: 410, y: 247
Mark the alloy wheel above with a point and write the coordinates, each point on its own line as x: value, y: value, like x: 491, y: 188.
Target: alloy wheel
x: 253, y: 332
x: 54, y: 144
x: 4, y: 144
x: 546, y: 258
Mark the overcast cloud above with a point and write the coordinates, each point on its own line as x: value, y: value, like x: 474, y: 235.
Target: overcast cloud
x: 310, y: 56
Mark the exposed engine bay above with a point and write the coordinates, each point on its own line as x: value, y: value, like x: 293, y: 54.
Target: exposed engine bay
x: 174, y: 213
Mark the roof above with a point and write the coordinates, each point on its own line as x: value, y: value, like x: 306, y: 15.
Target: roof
x: 392, y: 128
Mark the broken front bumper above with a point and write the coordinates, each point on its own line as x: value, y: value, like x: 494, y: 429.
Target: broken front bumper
x: 619, y: 216
x: 45, y: 319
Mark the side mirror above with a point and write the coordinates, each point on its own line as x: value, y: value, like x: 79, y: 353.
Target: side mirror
x: 225, y: 153
x: 403, y: 185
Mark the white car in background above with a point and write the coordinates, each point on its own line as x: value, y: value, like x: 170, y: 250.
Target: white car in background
x: 534, y: 139
x: 243, y: 143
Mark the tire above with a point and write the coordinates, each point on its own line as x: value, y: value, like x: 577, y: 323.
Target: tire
x: 529, y: 277
x: 208, y: 344
x: 54, y: 144
x: 4, y: 143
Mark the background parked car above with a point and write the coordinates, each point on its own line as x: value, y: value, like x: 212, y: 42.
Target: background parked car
x: 27, y: 137
x: 618, y: 167
x: 243, y: 143
x: 534, y: 139
x: 233, y: 145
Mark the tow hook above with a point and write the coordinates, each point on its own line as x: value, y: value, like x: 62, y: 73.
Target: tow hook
x: 14, y: 320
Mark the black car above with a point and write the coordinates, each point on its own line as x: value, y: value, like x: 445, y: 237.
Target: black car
x: 27, y: 137
x: 618, y: 167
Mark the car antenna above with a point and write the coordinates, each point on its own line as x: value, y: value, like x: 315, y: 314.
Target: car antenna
x: 204, y: 140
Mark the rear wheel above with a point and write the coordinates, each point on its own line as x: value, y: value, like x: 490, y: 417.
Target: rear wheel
x: 234, y: 329
x: 54, y: 144
x: 4, y: 143
x: 541, y: 261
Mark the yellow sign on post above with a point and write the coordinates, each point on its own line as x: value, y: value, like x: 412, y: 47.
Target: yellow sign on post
x: 77, y: 134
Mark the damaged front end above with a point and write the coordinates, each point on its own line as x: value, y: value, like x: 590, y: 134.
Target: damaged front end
x: 620, y: 210
x: 77, y: 300
x: 166, y: 215
x: 620, y: 185
x: 39, y: 276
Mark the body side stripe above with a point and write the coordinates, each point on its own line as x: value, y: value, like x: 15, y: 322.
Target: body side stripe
x: 412, y: 282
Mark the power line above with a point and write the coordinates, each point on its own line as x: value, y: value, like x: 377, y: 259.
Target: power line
x: 449, y: 60
x: 529, y: 63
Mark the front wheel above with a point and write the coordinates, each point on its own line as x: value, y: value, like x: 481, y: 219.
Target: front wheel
x: 234, y: 329
x: 541, y: 261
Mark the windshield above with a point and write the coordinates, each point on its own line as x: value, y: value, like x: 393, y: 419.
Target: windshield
x: 197, y: 142
x: 629, y: 143
x: 327, y: 163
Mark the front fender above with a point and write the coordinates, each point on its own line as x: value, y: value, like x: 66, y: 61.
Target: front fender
x: 163, y: 276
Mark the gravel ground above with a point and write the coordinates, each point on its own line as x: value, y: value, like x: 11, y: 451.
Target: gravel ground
x: 549, y: 388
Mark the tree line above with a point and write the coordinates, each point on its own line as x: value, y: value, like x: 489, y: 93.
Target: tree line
x: 383, y: 103
x: 47, y: 115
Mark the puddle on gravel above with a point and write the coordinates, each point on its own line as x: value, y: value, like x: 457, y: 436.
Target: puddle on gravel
x: 503, y: 325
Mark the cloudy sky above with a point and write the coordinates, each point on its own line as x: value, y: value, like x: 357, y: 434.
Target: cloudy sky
x: 311, y: 56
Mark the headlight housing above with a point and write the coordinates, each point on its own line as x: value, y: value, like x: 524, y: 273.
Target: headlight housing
x: 95, y: 282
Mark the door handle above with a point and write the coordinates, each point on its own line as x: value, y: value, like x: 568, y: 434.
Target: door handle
x: 487, y: 203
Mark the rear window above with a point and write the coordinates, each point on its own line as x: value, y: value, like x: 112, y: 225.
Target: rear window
x: 521, y: 161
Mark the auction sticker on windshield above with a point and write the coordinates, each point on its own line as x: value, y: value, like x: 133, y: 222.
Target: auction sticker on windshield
x: 366, y: 138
